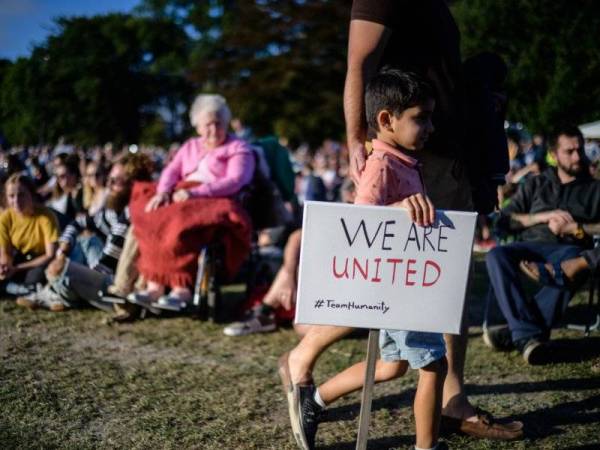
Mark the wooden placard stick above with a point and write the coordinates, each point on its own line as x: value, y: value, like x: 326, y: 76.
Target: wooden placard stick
x: 367, y: 392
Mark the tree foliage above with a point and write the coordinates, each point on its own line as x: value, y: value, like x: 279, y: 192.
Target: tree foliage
x: 552, y: 52
x: 280, y: 64
x: 94, y: 80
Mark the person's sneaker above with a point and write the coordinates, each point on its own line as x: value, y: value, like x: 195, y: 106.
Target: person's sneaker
x: 18, y: 289
x: 536, y: 352
x: 308, y: 415
x: 257, y: 322
x: 171, y: 303
x: 44, y: 298
x: 498, y: 337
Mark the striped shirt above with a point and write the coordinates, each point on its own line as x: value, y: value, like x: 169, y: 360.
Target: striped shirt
x: 109, y: 226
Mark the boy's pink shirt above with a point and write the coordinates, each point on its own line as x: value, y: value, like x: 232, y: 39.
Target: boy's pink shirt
x: 231, y: 164
x: 389, y: 176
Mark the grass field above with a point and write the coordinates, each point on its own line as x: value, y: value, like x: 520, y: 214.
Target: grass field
x: 73, y: 380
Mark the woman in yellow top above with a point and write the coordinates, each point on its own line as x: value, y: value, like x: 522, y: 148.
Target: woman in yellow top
x: 28, y: 233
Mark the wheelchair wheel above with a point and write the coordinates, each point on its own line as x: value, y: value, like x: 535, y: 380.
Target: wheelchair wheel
x: 206, y: 290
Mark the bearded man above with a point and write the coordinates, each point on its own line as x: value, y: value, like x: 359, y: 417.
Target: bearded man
x: 86, y: 276
x: 551, y: 213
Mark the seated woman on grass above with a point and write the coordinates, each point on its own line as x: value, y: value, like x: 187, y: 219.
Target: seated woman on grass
x: 28, y: 234
x: 67, y: 196
x: 169, y: 219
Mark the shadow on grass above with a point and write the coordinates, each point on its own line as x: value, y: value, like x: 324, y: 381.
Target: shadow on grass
x: 569, y: 384
x: 539, y: 424
x: 593, y: 446
x: 545, y: 422
x: 574, y: 350
x: 378, y: 443
x: 351, y: 412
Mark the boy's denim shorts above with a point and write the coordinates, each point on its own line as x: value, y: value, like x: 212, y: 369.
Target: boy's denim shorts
x: 418, y: 348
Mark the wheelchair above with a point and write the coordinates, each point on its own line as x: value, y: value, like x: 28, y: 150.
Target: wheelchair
x: 262, y: 201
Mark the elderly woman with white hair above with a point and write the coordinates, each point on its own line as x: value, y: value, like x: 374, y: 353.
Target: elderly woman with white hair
x: 194, y: 196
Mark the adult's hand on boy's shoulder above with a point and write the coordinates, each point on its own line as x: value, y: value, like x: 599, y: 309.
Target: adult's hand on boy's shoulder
x: 420, y: 209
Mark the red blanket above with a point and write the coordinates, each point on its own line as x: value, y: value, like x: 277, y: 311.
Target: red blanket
x: 170, y: 238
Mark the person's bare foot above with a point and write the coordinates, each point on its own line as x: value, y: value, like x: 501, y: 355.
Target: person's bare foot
x: 459, y: 407
x: 282, y: 292
x: 570, y: 269
x: 532, y: 270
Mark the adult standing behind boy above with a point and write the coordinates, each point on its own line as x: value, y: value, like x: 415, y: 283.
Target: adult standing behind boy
x: 419, y: 36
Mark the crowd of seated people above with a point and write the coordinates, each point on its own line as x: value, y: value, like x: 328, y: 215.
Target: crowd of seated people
x: 79, y: 225
x: 130, y: 223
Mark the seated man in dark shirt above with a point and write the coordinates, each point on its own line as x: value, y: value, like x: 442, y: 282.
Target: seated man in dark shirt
x: 550, y: 212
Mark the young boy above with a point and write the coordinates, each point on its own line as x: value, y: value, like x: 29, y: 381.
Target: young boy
x: 399, y: 106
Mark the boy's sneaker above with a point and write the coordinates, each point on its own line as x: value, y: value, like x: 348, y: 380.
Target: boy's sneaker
x: 498, y: 337
x: 257, y: 322
x: 305, y: 421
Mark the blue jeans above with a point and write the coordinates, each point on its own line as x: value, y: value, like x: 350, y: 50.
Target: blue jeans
x: 418, y: 348
x: 77, y: 282
x: 527, y: 318
x: 87, y: 250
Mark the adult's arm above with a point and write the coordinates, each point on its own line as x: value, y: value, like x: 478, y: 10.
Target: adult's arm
x: 529, y: 220
x: 74, y: 229
x: 6, y: 260
x: 562, y: 228
x: 6, y: 248
x: 41, y: 260
x: 366, y: 43
x: 518, y: 216
x: 173, y: 172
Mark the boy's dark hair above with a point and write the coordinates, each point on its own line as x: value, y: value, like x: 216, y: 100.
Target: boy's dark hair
x: 569, y: 131
x: 395, y: 91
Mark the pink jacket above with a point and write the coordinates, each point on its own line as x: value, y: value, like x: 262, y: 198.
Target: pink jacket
x: 230, y: 166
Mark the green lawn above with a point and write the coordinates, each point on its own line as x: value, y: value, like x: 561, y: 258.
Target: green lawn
x: 72, y: 380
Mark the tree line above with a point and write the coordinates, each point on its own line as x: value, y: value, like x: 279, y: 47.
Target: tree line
x: 130, y: 77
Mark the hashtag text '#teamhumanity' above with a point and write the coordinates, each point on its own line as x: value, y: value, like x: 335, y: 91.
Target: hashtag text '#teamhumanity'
x: 332, y: 304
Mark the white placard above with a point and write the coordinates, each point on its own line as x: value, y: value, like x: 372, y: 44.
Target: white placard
x: 371, y: 267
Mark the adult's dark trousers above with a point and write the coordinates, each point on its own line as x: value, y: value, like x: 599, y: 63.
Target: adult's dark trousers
x: 527, y: 318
